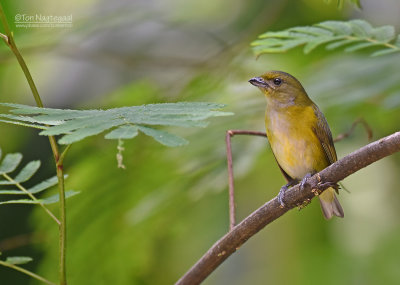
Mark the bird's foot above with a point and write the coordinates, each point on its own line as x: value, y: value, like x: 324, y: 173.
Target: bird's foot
x: 281, y: 194
x: 304, y: 182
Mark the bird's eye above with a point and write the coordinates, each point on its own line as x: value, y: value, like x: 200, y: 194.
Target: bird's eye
x: 277, y: 81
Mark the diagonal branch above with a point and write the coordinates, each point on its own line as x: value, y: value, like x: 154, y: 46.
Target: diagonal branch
x: 270, y: 211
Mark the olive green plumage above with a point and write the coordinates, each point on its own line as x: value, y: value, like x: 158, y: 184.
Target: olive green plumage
x: 298, y: 133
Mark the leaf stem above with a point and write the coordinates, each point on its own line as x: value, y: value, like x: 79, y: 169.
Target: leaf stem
x: 371, y: 40
x: 9, y: 39
x: 63, y: 226
x: 23, y: 189
x: 27, y: 272
x: 61, y: 160
x: 4, y: 21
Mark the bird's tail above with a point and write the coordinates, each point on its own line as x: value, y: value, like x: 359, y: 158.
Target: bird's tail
x: 330, y: 204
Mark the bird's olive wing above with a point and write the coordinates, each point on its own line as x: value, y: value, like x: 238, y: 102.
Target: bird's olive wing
x: 324, y: 136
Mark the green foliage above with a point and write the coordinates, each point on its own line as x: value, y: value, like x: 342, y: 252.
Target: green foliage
x: 9, y: 164
x: 75, y: 125
x: 354, y: 34
x: 372, y: 81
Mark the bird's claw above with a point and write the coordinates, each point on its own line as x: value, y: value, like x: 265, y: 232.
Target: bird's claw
x: 304, y: 182
x: 281, y: 196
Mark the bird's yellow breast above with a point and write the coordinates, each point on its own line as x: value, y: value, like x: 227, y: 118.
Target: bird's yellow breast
x: 293, y: 140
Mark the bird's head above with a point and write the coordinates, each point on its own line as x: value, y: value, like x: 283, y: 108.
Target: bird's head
x: 281, y: 87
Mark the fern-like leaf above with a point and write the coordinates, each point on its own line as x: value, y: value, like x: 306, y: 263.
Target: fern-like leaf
x: 12, y: 184
x: 124, y: 123
x: 354, y: 34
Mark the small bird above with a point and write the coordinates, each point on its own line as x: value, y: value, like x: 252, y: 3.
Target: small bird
x: 299, y: 135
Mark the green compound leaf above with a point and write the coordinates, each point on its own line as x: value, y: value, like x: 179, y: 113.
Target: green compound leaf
x: 354, y: 34
x: 75, y: 125
x: 9, y: 164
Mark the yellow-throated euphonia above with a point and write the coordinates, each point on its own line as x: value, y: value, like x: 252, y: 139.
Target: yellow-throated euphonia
x: 298, y: 133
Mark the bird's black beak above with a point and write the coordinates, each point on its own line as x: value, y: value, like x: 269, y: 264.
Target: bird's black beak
x: 259, y: 82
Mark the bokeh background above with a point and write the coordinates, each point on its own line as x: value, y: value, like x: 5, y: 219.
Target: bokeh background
x: 149, y: 223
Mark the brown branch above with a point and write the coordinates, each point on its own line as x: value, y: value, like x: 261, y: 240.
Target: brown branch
x: 270, y: 211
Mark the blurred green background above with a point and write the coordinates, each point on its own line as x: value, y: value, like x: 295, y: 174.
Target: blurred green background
x: 151, y: 222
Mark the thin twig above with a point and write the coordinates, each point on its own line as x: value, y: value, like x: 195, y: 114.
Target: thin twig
x: 23, y: 189
x: 355, y: 123
x: 229, y: 135
x: 27, y: 272
x: 271, y: 211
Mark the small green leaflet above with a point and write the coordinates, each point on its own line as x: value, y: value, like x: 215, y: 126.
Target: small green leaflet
x: 10, y: 162
x: 49, y: 200
x: 123, y: 132
x: 354, y: 35
x: 122, y: 123
x: 28, y: 171
x: 163, y: 137
x: 17, y: 260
